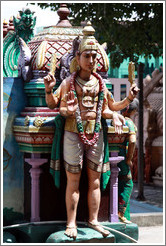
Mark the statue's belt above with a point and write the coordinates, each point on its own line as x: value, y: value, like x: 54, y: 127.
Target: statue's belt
x: 89, y: 126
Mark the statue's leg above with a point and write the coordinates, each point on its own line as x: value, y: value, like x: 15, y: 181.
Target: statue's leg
x: 72, y: 198
x: 94, y: 196
x: 94, y: 162
x: 73, y: 159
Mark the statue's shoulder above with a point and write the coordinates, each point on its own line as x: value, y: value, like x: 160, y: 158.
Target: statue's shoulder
x: 66, y: 81
x: 132, y: 127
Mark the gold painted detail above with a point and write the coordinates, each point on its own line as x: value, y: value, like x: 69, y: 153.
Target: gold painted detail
x: 94, y: 99
x: 88, y: 42
x: 34, y: 129
x: 88, y: 101
x: 57, y: 93
x: 39, y: 121
x: 26, y: 121
x: 55, y: 165
x: 71, y: 126
x: 131, y: 74
x: 111, y: 129
x: 73, y: 65
x: 91, y: 83
x: 104, y: 56
x: 110, y: 96
x: 41, y: 54
x: 53, y: 64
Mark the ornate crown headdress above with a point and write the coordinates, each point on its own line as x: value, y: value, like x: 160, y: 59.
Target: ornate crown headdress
x: 89, y: 42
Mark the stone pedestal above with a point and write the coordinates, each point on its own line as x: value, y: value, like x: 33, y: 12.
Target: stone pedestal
x: 35, y: 172
x: 114, y: 160
x: 53, y: 232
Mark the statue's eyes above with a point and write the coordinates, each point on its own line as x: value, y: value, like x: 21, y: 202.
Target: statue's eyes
x: 86, y: 55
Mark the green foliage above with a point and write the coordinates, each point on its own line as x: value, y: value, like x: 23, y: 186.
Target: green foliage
x: 112, y: 22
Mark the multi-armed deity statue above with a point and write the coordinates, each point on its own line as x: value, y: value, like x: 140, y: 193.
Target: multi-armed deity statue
x: 84, y: 100
x: 66, y: 68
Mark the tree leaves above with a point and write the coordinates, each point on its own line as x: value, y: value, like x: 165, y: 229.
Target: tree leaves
x: 125, y: 37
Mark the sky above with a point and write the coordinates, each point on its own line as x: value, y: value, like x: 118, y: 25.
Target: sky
x: 45, y: 17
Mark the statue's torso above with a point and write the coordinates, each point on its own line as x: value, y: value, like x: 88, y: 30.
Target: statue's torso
x: 88, y: 98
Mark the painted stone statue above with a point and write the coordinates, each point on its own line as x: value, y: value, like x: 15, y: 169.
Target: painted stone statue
x: 84, y: 101
x: 24, y: 29
x: 127, y: 148
x: 25, y: 24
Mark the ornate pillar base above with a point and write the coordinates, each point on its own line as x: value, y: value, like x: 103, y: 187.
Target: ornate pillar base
x: 35, y: 172
x: 114, y: 160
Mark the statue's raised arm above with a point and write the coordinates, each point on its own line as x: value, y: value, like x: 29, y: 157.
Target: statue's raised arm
x: 133, y: 91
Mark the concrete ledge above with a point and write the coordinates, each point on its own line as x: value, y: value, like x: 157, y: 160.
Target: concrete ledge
x: 147, y: 219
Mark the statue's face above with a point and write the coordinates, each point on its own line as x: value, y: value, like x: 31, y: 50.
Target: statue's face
x: 87, y: 60
x: 27, y: 18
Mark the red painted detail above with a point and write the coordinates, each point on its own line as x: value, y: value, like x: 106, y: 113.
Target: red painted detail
x: 112, y: 138
x: 58, y: 47
x: 39, y: 111
x: 34, y: 138
x: 91, y: 43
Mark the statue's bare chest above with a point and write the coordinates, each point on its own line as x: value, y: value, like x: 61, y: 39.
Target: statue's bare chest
x: 87, y: 92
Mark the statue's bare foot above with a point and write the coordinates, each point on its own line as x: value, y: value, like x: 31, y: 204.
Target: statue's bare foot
x: 99, y: 228
x: 71, y: 231
x: 123, y: 219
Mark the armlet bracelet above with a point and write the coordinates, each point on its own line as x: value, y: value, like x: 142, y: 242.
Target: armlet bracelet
x: 128, y: 99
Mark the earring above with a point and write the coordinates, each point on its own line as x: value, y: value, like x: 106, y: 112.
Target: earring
x: 78, y: 67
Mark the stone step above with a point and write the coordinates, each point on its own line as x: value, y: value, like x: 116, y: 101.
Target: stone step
x: 147, y: 219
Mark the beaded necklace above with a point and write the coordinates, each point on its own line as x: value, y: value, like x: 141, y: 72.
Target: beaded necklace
x: 80, y: 129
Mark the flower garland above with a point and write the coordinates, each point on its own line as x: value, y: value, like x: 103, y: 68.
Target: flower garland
x: 80, y: 129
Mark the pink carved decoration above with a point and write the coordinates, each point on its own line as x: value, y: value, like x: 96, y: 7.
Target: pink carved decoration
x: 114, y: 160
x: 35, y: 172
x: 63, y: 13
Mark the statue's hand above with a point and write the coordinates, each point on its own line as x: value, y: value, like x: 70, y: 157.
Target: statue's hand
x: 49, y: 82
x: 118, y: 122
x: 129, y: 163
x: 133, y: 91
x: 72, y: 103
